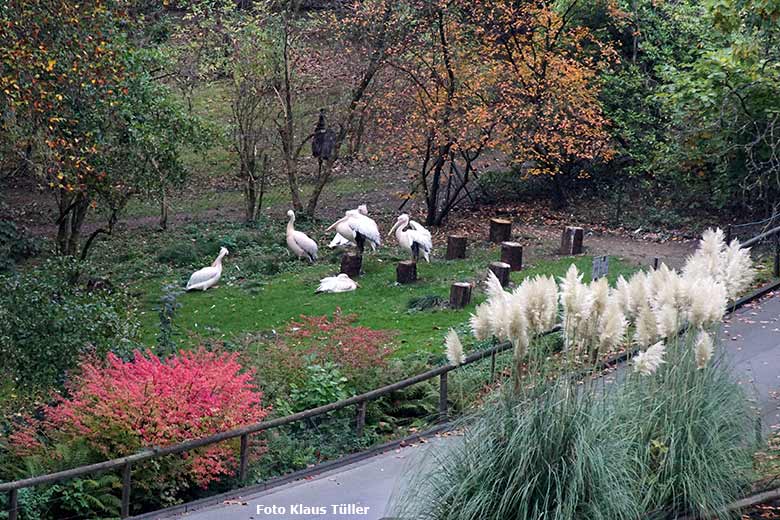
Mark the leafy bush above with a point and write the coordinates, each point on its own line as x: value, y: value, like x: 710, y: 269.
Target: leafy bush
x: 15, y: 245
x: 323, y: 384
x: 119, y: 407
x: 48, y: 322
x: 360, y: 354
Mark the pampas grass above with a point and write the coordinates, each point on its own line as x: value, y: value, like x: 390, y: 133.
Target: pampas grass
x: 454, y: 348
x: 693, y: 432
x: 546, y: 455
x: 647, y: 362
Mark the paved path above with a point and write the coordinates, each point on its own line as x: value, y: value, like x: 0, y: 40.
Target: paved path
x: 752, y: 338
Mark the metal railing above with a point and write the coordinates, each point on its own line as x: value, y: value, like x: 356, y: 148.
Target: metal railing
x: 125, y: 464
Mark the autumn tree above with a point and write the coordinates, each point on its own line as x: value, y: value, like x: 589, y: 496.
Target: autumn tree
x: 545, y: 70
x: 80, y: 109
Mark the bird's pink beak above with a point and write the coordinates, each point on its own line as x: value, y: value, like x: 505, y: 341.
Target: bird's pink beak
x: 392, y: 229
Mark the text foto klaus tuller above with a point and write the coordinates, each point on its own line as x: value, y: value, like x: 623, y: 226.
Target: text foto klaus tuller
x: 300, y: 509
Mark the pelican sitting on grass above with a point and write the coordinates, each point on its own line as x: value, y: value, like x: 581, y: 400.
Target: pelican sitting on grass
x: 207, y: 277
x: 357, y: 228
x: 298, y: 242
x: 413, y: 237
x: 337, y: 284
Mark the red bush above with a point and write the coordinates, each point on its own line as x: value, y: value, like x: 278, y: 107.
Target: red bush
x: 119, y: 407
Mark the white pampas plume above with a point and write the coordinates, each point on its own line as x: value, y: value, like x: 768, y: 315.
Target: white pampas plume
x: 706, y: 301
x: 622, y: 295
x: 540, y: 297
x: 703, y: 348
x: 599, y: 290
x: 480, y: 322
x: 647, y: 362
x: 612, y: 327
x: 737, y: 269
x: 646, y: 326
x: 667, y: 320
x: 493, y: 288
x: 637, y: 286
x: 577, y: 302
x: 454, y: 347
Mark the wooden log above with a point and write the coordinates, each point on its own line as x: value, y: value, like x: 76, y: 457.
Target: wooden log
x: 456, y: 247
x: 351, y: 264
x: 512, y: 254
x: 406, y: 272
x: 571, y: 240
x: 460, y: 295
x: 500, y: 230
x: 501, y: 270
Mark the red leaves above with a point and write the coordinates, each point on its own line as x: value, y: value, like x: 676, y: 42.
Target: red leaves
x: 118, y: 407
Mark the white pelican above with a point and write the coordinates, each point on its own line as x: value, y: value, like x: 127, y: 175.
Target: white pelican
x: 340, y: 241
x: 358, y: 228
x: 207, y: 277
x: 414, y: 238
x: 301, y: 245
x: 337, y: 284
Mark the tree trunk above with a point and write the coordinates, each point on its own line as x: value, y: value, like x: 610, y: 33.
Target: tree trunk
x: 76, y: 222
x: 460, y: 295
x: 163, y: 209
x: 406, y: 272
x: 327, y: 169
x: 501, y: 270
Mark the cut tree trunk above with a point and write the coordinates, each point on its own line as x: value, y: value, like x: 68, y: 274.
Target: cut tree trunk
x: 456, y: 247
x: 406, y: 272
x: 501, y: 270
x: 512, y: 254
x: 571, y: 240
x: 351, y: 264
x: 500, y: 230
x: 460, y: 295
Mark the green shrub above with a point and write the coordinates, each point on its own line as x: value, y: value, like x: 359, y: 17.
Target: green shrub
x: 180, y: 254
x: 48, y: 322
x: 15, y: 245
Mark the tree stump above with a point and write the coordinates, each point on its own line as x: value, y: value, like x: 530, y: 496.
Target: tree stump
x: 500, y: 230
x: 406, y: 272
x: 501, y: 270
x: 456, y: 247
x: 571, y: 240
x: 460, y: 295
x: 351, y: 264
x: 512, y: 254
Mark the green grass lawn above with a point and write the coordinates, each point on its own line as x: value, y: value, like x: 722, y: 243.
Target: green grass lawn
x: 239, y: 307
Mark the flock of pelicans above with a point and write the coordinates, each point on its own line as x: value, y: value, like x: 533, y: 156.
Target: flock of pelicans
x: 355, y: 228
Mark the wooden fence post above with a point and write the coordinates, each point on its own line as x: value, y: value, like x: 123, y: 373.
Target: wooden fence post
x: 777, y: 255
x: 493, y: 366
x: 443, y: 397
x: 13, y: 504
x: 512, y: 254
x: 456, y: 247
x: 729, y: 231
x: 243, y: 460
x: 656, y: 263
x: 460, y: 295
x: 500, y: 230
x: 360, y: 418
x: 127, y: 472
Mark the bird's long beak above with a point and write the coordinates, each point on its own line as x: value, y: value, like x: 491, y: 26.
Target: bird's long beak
x: 392, y: 229
x: 339, y: 221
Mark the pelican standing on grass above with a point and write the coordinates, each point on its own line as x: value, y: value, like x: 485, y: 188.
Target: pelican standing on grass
x: 413, y: 237
x: 301, y: 245
x: 337, y: 284
x: 207, y: 277
x: 340, y: 241
x: 357, y: 228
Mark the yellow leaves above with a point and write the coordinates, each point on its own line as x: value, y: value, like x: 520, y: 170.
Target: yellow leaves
x: 50, y: 65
